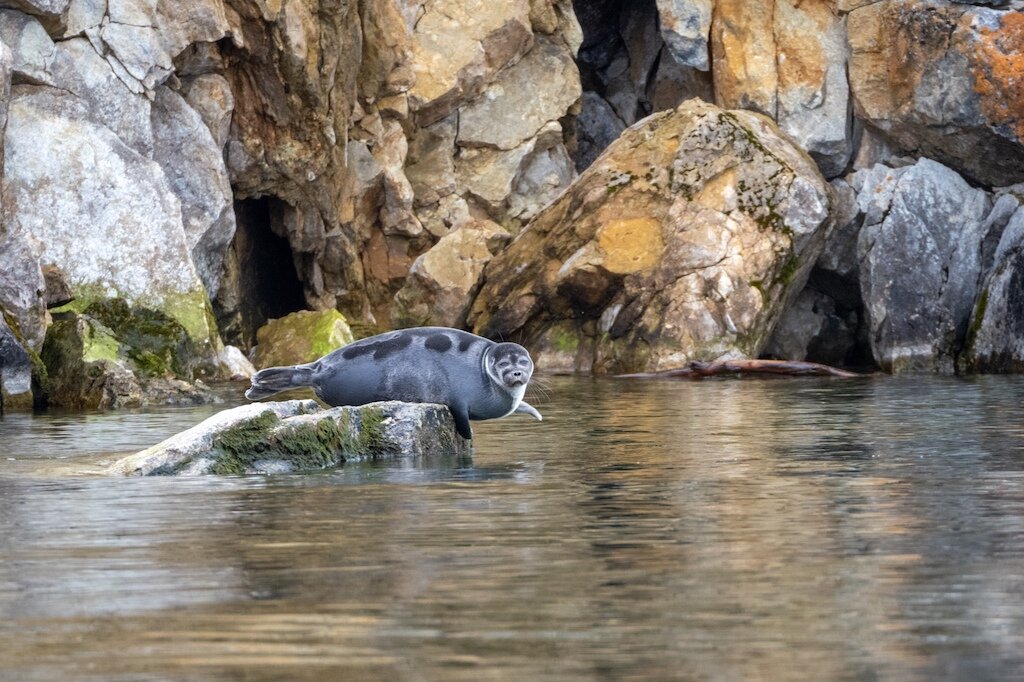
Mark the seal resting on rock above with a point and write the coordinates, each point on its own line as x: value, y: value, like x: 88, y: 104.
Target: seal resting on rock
x: 476, y: 378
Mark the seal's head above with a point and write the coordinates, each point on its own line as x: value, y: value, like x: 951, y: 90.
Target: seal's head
x: 509, y: 366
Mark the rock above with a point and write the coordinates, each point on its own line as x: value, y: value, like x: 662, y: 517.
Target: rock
x: 443, y: 281
x: 23, y: 381
x: 684, y: 241
x: 940, y: 80
x: 514, y: 185
x: 194, y: 167
x: 102, y: 212
x: 995, y: 339
x: 236, y: 367
x: 685, y: 25
x: 597, y: 126
x: 301, y: 337
x: 209, y: 94
x: 812, y: 329
x: 89, y: 367
x: 298, y: 435
x: 58, y: 292
x: 537, y: 90
x: 920, y: 253
x: 787, y: 59
x: 459, y: 46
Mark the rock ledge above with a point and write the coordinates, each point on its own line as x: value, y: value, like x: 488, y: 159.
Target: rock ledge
x: 297, y: 435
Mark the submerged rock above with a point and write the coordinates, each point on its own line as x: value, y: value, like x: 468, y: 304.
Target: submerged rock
x: 684, y: 241
x: 301, y: 337
x: 298, y: 435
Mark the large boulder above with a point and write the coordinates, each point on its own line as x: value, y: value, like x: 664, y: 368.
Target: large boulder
x: 300, y: 337
x: 920, y: 259
x: 298, y: 435
x: 684, y: 241
x: 941, y: 80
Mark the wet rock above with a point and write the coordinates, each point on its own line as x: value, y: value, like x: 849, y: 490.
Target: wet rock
x: 443, y: 281
x: 920, y: 260
x: 301, y: 337
x: 89, y: 367
x: 58, y: 291
x: 684, y: 241
x: 298, y: 435
x: 940, y: 80
x: 23, y: 381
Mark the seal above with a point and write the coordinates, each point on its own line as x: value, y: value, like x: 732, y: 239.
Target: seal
x: 476, y: 378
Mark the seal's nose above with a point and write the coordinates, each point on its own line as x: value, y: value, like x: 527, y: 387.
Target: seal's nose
x: 517, y: 374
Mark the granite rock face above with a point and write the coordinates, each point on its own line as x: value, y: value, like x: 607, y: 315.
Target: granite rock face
x: 298, y: 435
x: 685, y: 240
x: 920, y: 261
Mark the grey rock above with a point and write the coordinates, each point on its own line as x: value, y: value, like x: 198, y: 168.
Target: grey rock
x: 685, y: 25
x: 995, y: 341
x: 597, y: 126
x: 920, y: 259
x: 298, y: 435
x: 194, y: 166
x: 210, y: 95
x: 812, y: 329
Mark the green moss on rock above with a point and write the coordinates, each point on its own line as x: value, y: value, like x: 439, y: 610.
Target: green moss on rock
x: 301, y: 337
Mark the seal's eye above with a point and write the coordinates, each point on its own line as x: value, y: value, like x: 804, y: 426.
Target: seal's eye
x: 504, y: 363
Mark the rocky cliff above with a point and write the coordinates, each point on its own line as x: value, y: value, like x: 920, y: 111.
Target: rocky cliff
x: 844, y: 191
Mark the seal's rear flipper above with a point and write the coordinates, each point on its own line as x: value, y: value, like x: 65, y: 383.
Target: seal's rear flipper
x: 267, y: 382
x: 526, y: 408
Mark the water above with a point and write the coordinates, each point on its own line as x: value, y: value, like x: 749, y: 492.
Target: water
x: 725, y: 530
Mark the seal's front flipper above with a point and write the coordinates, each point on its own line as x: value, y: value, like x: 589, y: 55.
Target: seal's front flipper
x: 526, y: 408
x: 461, y: 415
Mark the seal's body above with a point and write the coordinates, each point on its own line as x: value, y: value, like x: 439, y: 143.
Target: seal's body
x: 476, y: 378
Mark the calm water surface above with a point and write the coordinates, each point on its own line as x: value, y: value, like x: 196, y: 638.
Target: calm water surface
x: 722, y: 530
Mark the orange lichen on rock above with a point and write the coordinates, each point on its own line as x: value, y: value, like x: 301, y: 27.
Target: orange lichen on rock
x: 999, y: 73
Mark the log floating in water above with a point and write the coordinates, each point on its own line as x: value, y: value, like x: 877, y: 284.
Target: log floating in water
x: 700, y: 370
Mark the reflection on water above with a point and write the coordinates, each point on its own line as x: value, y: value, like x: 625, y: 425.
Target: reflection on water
x: 645, y: 530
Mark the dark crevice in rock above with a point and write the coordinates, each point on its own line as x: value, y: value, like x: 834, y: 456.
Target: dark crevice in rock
x: 260, y: 281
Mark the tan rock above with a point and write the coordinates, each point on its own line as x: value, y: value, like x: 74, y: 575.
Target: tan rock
x: 684, y: 241
x: 443, y: 281
x: 459, y: 46
x: 787, y: 59
x: 526, y: 96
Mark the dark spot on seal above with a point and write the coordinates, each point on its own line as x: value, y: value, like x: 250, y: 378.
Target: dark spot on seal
x: 354, y: 351
x: 439, y: 342
x: 466, y: 342
x: 388, y: 347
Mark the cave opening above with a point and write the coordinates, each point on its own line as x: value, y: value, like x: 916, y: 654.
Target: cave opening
x: 260, y: 282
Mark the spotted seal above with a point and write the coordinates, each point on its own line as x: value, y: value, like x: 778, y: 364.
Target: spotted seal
x: 476, y: 378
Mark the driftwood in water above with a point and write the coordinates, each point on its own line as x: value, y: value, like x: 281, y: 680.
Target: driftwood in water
x: 700, y: 370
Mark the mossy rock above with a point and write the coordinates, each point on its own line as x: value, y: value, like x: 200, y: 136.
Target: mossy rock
x: 298, y: 435
x: 301, y: 337
x: 157, y: 344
